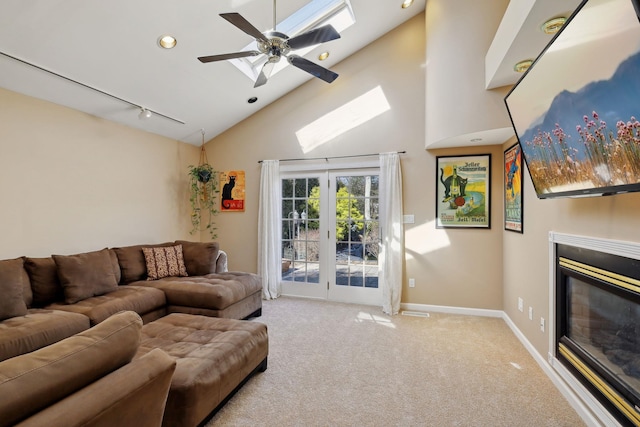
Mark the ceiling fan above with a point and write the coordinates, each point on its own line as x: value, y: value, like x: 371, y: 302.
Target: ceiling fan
x: 276, y: 45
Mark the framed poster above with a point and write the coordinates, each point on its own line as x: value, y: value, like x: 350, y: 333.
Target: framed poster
x: 513, y: 189
x: 463, y: 185
x: 232, y: 194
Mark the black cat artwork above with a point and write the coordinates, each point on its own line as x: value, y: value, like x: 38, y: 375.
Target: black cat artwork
x: 227, y: 191
x: 454, y: 185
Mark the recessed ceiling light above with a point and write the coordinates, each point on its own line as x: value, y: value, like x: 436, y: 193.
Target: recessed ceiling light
x: 553, y: 25
x: 167, y: 42
x: 522, y: 66
x: 252, y: 100
x: 406, y: 3
x: 323, y: 56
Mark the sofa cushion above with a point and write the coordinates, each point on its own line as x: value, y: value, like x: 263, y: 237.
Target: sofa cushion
x: 33, y: 381
x: 132, y: 262
x: 140, y: 299
x: 213, y: 291
x: 134, y: 395
x: 164, y: 262
x: 43, y: 275
x: 12, y: 283
x: 115, y: 265
x: 199, y: 258
x: 85, y: 275
x: 39, y: 328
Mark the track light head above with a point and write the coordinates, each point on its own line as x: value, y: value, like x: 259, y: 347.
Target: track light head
x: 144, y: 114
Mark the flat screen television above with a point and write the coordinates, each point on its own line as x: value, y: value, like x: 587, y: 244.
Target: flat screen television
x: 575, y: 111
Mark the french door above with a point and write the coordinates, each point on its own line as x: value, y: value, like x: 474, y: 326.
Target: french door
x: 330, y: 235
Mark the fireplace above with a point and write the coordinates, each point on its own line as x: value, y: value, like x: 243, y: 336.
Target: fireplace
x: 597, y: 326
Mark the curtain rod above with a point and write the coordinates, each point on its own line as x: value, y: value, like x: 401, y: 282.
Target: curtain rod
x: 333, y: 157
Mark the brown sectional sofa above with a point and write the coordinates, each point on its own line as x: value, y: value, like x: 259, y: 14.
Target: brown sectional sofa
x: 45, y: 300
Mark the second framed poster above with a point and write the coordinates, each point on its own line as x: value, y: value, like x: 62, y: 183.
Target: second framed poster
x: 513, y: 189
x: 463, y: 185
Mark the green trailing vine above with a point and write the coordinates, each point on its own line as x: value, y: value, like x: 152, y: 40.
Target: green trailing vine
x: 204, y: 189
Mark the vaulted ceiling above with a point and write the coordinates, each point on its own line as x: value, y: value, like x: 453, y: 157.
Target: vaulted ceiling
x: 103, y: 57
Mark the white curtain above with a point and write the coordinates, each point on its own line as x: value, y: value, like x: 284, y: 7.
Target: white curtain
x: 392, y: 250
x: 269, y: 259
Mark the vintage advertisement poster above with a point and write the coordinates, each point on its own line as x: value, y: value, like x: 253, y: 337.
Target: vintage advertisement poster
x: 513, y: 189
x: 232, y: 191
x: 462, y: 191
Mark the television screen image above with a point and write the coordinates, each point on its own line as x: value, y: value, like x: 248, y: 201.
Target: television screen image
x: 576, y: 110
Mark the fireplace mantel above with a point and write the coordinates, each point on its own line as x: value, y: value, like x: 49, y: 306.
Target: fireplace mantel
x: 598, y: 414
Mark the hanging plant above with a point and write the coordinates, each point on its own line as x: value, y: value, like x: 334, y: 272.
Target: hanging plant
x: 204, y: 189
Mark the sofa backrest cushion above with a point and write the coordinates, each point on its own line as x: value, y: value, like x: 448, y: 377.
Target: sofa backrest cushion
x: 33, y: 381
x: 115, y: 265
x: 85, y: 275
x: 132, y: 263
x: 199, y: 258
x: 13, y: 278
x: 43, y: 275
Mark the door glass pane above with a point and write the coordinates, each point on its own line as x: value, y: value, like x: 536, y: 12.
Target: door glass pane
x: 357, y: 231
x: 300, y: 230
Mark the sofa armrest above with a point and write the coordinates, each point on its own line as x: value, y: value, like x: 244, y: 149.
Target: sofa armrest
x: 221, y: 262
x: 134, y: 395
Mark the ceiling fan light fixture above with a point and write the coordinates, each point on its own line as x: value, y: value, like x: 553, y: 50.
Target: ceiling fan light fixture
x: 553, y: 25
x: 167, y: 42
x: 406, y: 3
x: 144, y: 114
x: 324, y: 55
x: 522, y: 66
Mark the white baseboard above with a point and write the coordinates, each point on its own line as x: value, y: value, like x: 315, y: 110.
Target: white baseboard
x: 452, y: 310
x: 569, y: 394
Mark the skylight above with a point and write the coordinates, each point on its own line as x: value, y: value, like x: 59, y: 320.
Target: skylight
x: 314, y: 14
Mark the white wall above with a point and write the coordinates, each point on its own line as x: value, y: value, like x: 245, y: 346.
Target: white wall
x: 71, y: 182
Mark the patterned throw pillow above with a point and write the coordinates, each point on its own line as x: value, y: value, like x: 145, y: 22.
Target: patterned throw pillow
x: 164, y: 262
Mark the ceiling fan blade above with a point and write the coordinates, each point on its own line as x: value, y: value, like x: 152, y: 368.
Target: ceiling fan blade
x: 212, y: 58
x: 319, y: 35
x: 311, y: 68
x: 237, y: 20
x: 265, y: 73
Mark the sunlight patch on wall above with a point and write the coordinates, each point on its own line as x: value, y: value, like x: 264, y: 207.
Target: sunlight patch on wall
x: 350, y: 115
x: 416, y: 242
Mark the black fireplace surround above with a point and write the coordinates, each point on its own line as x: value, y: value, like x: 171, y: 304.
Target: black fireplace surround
x: 598, y: 326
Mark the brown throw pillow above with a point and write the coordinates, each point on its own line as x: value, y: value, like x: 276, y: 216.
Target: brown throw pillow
x: 199, y: 258
x: 45, y: 284
x: 85, y: 275
x: 164, y: 262
x: 12, y: 277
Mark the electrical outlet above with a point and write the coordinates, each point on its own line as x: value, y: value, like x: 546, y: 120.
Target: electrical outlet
x: 520, y: 304
x: 530, y: 313
x: 412, y: 283
x: 542, y: 324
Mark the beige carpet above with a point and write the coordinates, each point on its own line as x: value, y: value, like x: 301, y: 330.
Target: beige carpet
x: 333, y: 364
